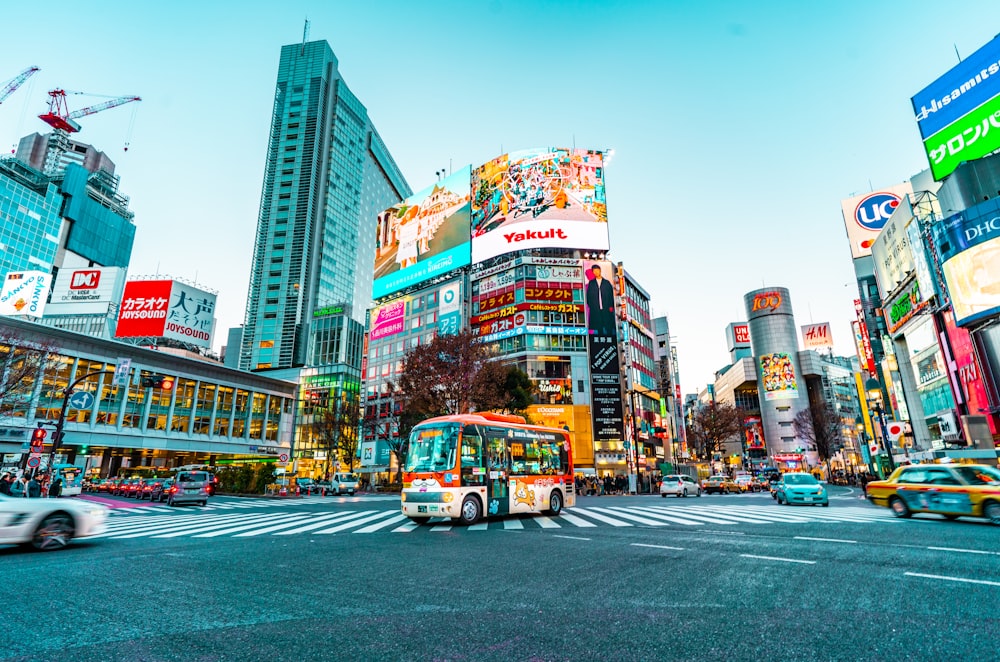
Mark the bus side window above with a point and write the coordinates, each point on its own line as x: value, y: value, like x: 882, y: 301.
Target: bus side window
x: 497, y: 449
x: 472, y: 447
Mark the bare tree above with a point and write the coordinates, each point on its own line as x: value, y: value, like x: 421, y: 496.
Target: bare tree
x: 336, y: 430
x: 21, y: 363
x: 820, y: 426
x: 391, y: 425
x: 712, y: 426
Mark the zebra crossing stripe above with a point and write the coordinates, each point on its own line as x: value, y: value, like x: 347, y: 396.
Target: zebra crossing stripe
x: 513, y: 523
x: 687, y: 519
x: 599, y: 517
x: 287, y: 525
x: 140, y: 529
x: 151, y: 523
x: 282, y: 519
x: 712, y: 517
x: 480, y: 526
x: 406, y: 528
x: 620, y: 512
x: 574, y: 520
x: 546, y: 522
x: 316, y: 525
x: 370, y: 518
x: 194, y: 528
x: 381, y: 525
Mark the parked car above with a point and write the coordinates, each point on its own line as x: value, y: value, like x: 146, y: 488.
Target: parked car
x: 159, y: 490
x: 747, y: 483
x: 721, y: 484
x: 144, y: 489
x: 800, y: 488
x: 307, y: 486
x: 951, y: 490
x: 679, y: 485
x: 49, y: 524
x: 190, y: 487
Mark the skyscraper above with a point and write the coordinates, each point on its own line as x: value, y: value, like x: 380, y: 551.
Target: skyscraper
x: 327, y: 177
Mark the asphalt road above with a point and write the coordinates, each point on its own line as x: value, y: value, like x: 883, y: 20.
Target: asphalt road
x: 634, y: 578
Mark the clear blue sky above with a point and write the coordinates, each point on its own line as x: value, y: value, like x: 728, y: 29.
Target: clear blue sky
x: 737, y: 126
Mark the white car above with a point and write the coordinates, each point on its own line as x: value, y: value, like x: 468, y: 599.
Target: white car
x: 679, y: 485
x: 49, y: 524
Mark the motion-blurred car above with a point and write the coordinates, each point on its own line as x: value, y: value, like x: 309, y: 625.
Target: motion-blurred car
x: 720, y: 484
x: 951, y: 490
x: 679, y: 486
x: 801, y: 488
x: 49, y: 524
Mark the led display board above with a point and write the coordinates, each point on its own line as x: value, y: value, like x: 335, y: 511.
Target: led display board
x: 539, y: 198
x: 424, y: 236
x: 959, y: 113
x: 969, y: 244
x: 608, y: 419
x: 865, y: 215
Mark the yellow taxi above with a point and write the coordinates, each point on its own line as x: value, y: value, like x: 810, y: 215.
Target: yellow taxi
x: 952, y: 490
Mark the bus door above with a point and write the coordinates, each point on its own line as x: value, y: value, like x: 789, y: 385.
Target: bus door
x: 473, y: 470
x: 498, y: 470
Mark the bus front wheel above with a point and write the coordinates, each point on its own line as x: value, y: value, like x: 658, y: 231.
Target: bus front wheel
x: 471, y: 510
x: 555, y: 503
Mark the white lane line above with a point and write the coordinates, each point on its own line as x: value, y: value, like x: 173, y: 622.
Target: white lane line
x: 546, y: 522
x: 287, y: 525
x: 316, y: 525
x: 600, y: 517
x: 852, y: 542
x: 623, y: 512
x: 280, y: 519
x: 370, y: 518
x: 639, y: 544
x: 441, y: 527
x: 513, y: 524
x: 245, y: 521
x: 479, y: 526
x: 952, y: 579
x: 963, y: 551
x: 556, y: 535
x: 776, y: 558
x: 576, y: 521
x: 381, y: 525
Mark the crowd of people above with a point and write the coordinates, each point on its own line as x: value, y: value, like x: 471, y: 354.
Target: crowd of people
x: 598, y: 486
x: 30, y: 485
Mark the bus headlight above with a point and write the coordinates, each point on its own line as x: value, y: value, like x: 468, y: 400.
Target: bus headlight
x: 402, y: 496
x: 447, y: 497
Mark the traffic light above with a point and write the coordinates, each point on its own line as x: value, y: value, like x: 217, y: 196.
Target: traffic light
x: 158, y: 381
x: 38, y: 439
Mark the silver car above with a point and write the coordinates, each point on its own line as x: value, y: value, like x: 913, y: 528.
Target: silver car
x: 679, y: 485
x: 190, y: 487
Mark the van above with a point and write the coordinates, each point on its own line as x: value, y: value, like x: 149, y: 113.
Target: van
x: 190, y: 487
x: 344, y: 483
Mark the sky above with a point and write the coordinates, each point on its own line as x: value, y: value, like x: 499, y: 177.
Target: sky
x: 737, y: 127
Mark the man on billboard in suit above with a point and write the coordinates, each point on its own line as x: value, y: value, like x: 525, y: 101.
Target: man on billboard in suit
x: 600, y: 303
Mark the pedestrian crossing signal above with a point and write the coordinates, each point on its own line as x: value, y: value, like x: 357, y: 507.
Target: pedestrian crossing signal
x: 38, y: 437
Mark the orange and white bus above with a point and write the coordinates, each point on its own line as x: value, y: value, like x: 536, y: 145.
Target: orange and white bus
x: 473, y: 465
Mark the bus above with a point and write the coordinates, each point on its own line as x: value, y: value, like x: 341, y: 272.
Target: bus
x: 471, y: 466
x: 72, y: 478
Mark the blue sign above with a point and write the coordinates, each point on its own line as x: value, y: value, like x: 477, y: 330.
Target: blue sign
x: 874, y: 211
x: 969, y: 246
x: 81, y: 400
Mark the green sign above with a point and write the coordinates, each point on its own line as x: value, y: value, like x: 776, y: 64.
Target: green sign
x: 968, y: 138
x: 255, y: 460
x: 904, y: 307
x: 329, y: 310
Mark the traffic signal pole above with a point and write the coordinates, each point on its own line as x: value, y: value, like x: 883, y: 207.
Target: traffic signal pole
x: 57, y: 434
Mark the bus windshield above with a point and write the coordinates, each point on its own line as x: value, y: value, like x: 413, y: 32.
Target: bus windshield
x: 432, y: 447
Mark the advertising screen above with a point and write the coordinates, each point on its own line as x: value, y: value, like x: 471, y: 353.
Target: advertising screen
x: 777, y: 374
x: 424, y: 236
x: 602, y: 348
x: 25, y: 293
x: 959, y: 113
x: 969, y: 243
x: 865, y: 215
x: 86, y: 291
x: 539, y: 198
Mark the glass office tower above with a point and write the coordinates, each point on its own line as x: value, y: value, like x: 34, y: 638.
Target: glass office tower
x: 327, y: 177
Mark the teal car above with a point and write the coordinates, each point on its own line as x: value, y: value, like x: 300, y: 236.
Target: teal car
x: 800, y: 488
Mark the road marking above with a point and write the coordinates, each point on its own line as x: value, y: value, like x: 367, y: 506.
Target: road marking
x: 316, y: 525
x: 620, y: 512
x: 964, y: 551
x: 546, y: 522
x: 381, y: 525
x: 556, y: 535
x: 639, y: 544
x: 853, y: 542
x: 286, y: 525
x: 479, y: 526
x: 952, y: 579
x: 725, y: 533
x: 576, y: 521
x: 512, y: 524
x: 369, y: 518
x: 776, y: 558
x: 281, y: 519
x: 599, y: 517
x: 255, y: 520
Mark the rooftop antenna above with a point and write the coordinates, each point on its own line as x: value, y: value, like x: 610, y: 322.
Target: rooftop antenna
x: 305, y: 36
x: 956, y: 52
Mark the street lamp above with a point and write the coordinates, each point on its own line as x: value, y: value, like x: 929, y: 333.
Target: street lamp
x: 874, y: 391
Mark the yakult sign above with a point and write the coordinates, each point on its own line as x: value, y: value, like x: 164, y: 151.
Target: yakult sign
x: 24, y: 293
x: 166, y: 309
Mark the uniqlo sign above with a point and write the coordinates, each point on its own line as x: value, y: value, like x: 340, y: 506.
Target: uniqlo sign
x: 144, y: 308
x: 88, y: 279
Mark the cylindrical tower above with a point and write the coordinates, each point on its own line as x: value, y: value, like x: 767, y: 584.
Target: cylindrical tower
x: 781, y: 389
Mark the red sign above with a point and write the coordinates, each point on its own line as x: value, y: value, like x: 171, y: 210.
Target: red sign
x: 144, y: 308
x: 766, y: 300
x: 866, y: 341
x: 741, y: 333
x: 788, y: 457
x: 87, y: 279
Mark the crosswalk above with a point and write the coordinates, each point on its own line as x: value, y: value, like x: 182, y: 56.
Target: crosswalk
x: 237, y: 523
x: 245, y: 504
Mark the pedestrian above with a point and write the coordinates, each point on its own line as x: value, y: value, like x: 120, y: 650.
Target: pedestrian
x: 34, y: 488
x: 19, y: 487
x: 55, y: 489
x: 5, y: 482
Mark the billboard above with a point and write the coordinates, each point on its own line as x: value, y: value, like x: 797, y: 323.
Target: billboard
x: 959, y: 113
x: 602, y: 350
x: 816, y: 336
x: 450, y: 308
x: 424, y: 236
x: 738, y: 335
x: 777, y: 374
x: 166, y: 309
x: 25, y: 293
x: 969, y: 243
x: 539, y: 198
x: 387, y: 320
x: 86, y: 291
x: 865, y: 215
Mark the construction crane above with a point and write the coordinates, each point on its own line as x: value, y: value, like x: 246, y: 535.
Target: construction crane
x: 59, y: 116
x: 15, y: 82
